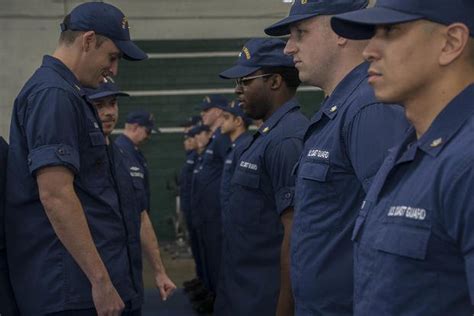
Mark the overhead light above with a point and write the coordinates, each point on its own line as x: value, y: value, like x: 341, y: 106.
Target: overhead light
x: 287, y: 1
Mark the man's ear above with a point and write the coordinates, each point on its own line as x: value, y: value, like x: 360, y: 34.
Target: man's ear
x: 456, y: 37
x: 276, y: 81
x: 88, y: 40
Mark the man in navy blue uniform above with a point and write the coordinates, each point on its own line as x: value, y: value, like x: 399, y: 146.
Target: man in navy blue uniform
x: 129, y: 173
x: 414, y: 236
x: 139, y: 126
x: 185, y: 182
x: 236, y: 124
x: 344, y: 146
x: 68, y: 241
x: 7, y: 301
x: 205, y: 190
x: 260, y: 206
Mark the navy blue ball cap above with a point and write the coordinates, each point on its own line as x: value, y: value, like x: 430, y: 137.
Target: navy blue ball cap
x: 142, y: 118
x: 235, y: 109
x: 106, y: 20
x: 105, y: 89
x: 258, y: 53
x: 214, y: 101
x: 198, y: 129
x: 305, y: 9
x: 361, y: 24
x: 191, y: 121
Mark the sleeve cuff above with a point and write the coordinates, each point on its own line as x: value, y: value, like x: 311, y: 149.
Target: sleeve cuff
x: 284, y: 198
x: 54, y: 155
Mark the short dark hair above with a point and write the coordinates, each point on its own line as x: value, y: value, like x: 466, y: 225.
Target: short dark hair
x: 289, y: 75
x: 69, y: 36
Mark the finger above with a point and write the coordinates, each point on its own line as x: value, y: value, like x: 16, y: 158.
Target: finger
x: 163, y: 294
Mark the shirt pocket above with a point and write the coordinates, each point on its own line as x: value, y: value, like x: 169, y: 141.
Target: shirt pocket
x: 96, y: 161
x: 247, y: 200
x: 316, y: 198
x: 404, y: 239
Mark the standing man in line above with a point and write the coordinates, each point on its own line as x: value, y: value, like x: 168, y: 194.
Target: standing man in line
x: 130, y: 173
x: 206, y: 185
x: 236, y: 124
x: 139, y: 126
x: 68, y: 243
x: 7, y: 300
x: 344, y: 146
x: 414, y: 236
x: 261, y: 200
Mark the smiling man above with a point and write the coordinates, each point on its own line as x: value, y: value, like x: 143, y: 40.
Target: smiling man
x: 414, y: 235
x: 259, y: 208
x: 67, y: 241
x: 344, y: 146
x: 130, y: 177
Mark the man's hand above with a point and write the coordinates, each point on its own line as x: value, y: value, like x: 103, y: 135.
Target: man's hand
x: 165, y: 285
x: 107, y: 302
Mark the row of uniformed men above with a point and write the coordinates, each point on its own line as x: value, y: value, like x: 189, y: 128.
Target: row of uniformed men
x: 407, y: 251
x: 358, y: 211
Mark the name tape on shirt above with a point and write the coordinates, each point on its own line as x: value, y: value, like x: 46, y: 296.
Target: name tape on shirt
x: 248, y: 165
x: 408, y: 212
x: 318, y: 153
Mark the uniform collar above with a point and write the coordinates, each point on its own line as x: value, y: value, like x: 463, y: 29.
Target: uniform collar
x: 64, y: 72
x: 242, y: 137
x: 344, y: 89
x: 448, y: 122
x: 273, y: 120
x: 127, y: 142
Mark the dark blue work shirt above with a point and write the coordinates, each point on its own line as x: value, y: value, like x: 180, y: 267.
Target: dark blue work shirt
x: 7, y: 301
x: 185, y: 182
x: 53, y: 125
x: 344, y: 146
x: 138, y: 170
x: 262, y: 187
x: 414, y: 236
x: 127, y: 174
x: 207, y: 180
x: 229, y: 167
x: 3, y: 178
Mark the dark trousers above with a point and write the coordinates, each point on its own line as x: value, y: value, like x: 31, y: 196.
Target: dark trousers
x: 92, y: 312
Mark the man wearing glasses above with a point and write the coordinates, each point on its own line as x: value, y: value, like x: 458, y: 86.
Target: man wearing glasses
x: 260, y: 205
x: 138, y: 128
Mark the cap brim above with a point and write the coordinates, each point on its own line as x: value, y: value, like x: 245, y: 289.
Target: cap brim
x: 360, y: 24
x: 282, y: 27
x: 104, y: 94
x: 130, y: 50
x: 237, y: 71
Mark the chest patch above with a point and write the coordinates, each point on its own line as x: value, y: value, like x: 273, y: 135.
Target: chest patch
x: 408, y: 212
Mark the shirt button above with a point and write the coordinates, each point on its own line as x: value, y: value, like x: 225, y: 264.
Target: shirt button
x: 287, y: 195
x: 61, y: 151
x: 98, y: 162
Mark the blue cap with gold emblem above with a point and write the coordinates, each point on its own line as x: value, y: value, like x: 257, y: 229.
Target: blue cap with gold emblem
x: 214, y: 101
x: 361, y: 24
x: 106, y: 20
x: 305, y: 9
x: 258, y: 53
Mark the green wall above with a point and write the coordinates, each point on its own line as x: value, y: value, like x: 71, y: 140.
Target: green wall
x: 164, y: 151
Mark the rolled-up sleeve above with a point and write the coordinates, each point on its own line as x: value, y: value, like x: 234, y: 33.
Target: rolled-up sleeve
x: 280, y: 160
x: 51, y: 128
